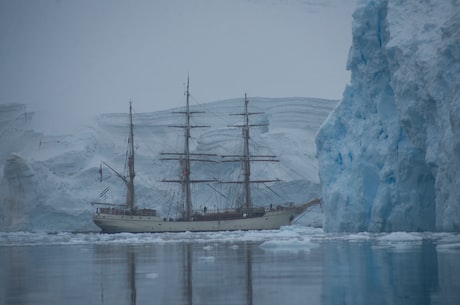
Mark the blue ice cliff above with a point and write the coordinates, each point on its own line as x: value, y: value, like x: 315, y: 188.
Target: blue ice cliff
x: 389, y: 153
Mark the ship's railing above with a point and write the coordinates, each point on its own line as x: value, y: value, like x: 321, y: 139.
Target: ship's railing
x: 252, y: 210
x: 126, y: 212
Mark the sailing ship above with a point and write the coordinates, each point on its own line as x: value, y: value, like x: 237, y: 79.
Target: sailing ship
x: 127, y: 217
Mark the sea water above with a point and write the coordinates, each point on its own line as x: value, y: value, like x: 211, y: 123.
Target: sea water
x: 294, y: 265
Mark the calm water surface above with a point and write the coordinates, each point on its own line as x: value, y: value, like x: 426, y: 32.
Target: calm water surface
x: 276, y: 267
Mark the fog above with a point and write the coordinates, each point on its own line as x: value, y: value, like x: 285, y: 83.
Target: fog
x: 68, y: 60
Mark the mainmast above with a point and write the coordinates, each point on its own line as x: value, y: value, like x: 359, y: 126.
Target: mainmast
x: 246, y: 158
x: 246, y: 155
x: 186, y: 157
x: 186, y: 160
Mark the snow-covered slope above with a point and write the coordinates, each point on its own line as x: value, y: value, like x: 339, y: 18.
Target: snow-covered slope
x: 48, y: 181
x: 389, y: 154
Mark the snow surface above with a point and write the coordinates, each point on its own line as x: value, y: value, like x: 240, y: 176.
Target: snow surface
x: 49, y: 181
x: 389, y: 153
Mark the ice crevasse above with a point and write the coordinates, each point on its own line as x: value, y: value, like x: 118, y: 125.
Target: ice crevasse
x: 389, y: 153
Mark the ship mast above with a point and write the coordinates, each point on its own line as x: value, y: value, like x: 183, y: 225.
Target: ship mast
x: 186, y: 157
x: 130, y: 183
x: 246, y: 155
x: 186, y: 160
x: 246, y: 158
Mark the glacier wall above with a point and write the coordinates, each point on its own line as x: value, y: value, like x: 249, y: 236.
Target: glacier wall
x: 389, y: 153
x: 48, y: 181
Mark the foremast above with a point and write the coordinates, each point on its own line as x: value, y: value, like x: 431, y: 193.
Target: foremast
x: 246, y: 158
x: 128, y: 180
x: 187, y: 157
x: 130, y: 195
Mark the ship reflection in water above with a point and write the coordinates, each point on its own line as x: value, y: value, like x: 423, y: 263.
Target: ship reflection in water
x: 328, y: 271
x: 191, y: 275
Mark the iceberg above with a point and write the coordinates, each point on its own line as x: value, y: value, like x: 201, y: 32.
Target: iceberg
x: 389, y: 152
x: 48, y: 181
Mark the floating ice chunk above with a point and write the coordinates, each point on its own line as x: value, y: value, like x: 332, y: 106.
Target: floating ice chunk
x: 207, y: 259
x: 448, y: 248
x: 289, y: 245
x: 448, y: 243
x: 400, y: 240
x: 152, y: 276
x: 401, y: 237
x: 359, y: 237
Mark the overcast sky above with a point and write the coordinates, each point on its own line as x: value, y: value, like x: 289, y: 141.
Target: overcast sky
x: 68, y: 58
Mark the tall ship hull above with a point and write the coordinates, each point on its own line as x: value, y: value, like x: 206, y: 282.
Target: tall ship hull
x: 269, y: 220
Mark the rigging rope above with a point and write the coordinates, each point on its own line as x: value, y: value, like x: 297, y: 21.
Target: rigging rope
x: 273, y: 191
